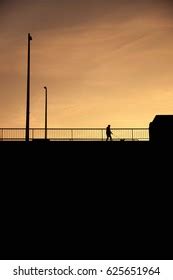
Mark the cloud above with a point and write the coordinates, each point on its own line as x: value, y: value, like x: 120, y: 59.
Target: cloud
x: 100, y: 60
x: 48, y: 14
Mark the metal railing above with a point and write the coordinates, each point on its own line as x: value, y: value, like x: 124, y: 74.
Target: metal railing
x: 75, y: 134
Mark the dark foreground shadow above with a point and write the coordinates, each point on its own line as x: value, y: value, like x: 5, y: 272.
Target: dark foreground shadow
x: 82, y: 200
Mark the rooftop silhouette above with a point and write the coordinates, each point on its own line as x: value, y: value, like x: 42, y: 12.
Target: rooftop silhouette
x: 161, y: 129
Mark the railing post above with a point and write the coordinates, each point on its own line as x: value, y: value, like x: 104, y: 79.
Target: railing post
x: 132, y: 134
x: 102, y: 134
x: 1, y: 135
x: 71, y: 134
x: 32, y: 133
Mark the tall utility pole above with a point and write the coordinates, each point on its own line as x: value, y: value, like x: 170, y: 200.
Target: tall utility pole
x: 28, y: 91
x: 45, y: 112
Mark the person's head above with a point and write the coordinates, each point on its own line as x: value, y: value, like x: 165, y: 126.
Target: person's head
x: 109, y: 125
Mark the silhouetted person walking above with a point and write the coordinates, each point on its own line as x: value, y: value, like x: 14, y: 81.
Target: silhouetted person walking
x: 108, y: 133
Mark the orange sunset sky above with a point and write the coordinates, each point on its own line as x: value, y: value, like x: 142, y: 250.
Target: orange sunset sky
x: 103, y: 61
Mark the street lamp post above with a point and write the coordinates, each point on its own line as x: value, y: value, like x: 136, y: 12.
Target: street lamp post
x: 28, y: 92
x: 45, y: 112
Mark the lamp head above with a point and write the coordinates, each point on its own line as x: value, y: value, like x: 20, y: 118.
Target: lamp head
x: 30, y: 37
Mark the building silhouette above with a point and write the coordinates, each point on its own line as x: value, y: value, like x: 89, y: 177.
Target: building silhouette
x: 161, y: 129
